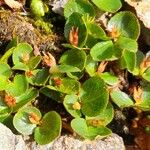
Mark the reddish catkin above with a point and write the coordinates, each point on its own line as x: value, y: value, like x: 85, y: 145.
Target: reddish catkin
x: 10, y: 100
x: 73, y: 36
x: 33, y: 118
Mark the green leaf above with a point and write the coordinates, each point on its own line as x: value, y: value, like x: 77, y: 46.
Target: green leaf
x: 5, y: 70
x: 121, y: 99
x: 21, y: 120
x: 20, y: 66
x: 108, y: 5
x: 80, y: 6
x: 127, y: 44
x: 50, y: 128
x: 94, y: 29
x: 128, y: 60
x: 91, y: 66
x: 145, y: 98
x: 74, y: 57
x: 103, y: 51
x: 94, y: 96
x: 76, y: 20
x: 39, y: 77
x: 18, y: 86
x: 104, y: 117
x: 51, y: 93
x: 34, y: 62
x: 64, y: 69
x: 69, y: 102
x: 25, y: 98
x: 69, y: 86
x: 109, y: 78
x: 146, y: 75
x: 126, y: 23
x: 37, y: 8
x: 3, y: 82
x: 3, y: 117
x: 4, y: 109
x: 22, y: 49
x: 80, y: 126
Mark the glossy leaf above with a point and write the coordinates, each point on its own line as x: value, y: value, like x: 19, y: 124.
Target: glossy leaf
x: 49, y: 129
x: 91, y: 66
x: 128, y: 60
x: 25, y: 98
x: 80, y: 6
x: 126, y: 23
x: 69, y: 103
x: 5, y: 70
x: 75, y: 20
x: 18, y: 86
x: 80, y: 126
x: 108, y: 5
x: 94, y: 96
x: 121, y: 99
x: 127, y: 44
x: 74, y: 57
x: 146, y: 75
x: 22, y: 121
x: 22, y: 50
x: 64, y: 69
x: 103, y: 51
x: 103, y: 118
x: 109, y: 78
x: 38, y: 77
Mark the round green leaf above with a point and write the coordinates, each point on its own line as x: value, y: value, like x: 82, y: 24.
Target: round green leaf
x: 94, y: 96
x: 69, y: 101
x: 94, y: 29
x: 74, y: 57
x: 3, y: 82
x: 145, y: 98
x: 25, y: 98
x: 49, y: 129
x: 5, y: 70
x: 4, y: 109
x: 121, y: 99
x: 103, y: 51
x: 18, y: 86
x: 21, y: 120
x: 80, y: 6
x: 126, y: 23
x: 109, y: 78
x: 39, y: 77
x: 108, y: 5
x: 91, y: 66
x: 21, y: 50
x: 80, y: 126
x: 146, y: 75
x: 104, y: 117
x: 75, y: 20
x: 69, y: 86
x: 128, y: 60
x: 127, y: 44
x: 64, y: 69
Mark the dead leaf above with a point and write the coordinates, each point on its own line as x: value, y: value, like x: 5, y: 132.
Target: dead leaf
x: 13, y: 4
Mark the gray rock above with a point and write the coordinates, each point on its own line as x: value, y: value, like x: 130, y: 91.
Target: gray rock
x: 9, y: 141
x: 58, y: 5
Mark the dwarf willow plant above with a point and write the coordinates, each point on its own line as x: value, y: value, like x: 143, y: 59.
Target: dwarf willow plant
x: 88, y: 79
